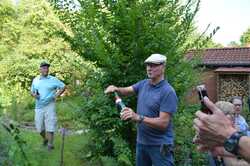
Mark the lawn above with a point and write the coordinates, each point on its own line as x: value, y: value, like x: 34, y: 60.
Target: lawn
x: 38, y: 155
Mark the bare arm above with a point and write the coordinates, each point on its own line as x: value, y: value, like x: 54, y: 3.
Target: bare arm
x: 59, y: 92
x: 125, y: 91
x: 244, y: 148
x: 160, y: 123
x: 217, y: 151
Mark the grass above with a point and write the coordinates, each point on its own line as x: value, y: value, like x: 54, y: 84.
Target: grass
x: 67, y: 112
x: 38, y: 155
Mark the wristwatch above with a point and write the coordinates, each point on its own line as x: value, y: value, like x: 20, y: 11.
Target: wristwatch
x: 232, y: 143
x: 141, y: 118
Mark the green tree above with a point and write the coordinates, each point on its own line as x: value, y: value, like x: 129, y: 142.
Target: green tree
x: 118, y: 36
x: 245, y: 38
x: 202, y: 40
x: 233, y: 44
x: 29, y: 34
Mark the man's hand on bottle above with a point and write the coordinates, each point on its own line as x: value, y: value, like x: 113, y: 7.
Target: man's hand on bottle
x: 129, y: 114
x: 110, y: 89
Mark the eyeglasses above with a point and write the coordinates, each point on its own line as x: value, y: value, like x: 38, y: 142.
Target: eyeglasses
x: 153, y: 64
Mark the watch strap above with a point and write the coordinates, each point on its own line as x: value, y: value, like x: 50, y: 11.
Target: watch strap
x: 233, y: 140
x: 141, y: 118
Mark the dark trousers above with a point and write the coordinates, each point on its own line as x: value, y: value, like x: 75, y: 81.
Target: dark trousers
x: 157, y: 155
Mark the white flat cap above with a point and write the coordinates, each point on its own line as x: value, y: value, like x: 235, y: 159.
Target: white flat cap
x: 156, y: 59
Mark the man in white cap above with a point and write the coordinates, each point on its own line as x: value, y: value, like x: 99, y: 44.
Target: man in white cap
x: 156, y: 104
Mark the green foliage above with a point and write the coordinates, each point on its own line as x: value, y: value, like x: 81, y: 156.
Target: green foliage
x: 68, y: 112
x: 185, y: 150
x: 119, y: 36
x: 109, y: 161
x: 30, y: 33
x: 205, y: 41
x: 38, y: 155
x: 245, y: 38
x: 106, y: 131
x: 233, y: 44
x: 12, y: 147
x: 115, y: 35
x: 4, y: 159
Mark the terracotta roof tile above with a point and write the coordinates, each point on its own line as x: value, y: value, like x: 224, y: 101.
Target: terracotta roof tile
x: 233, y: 69
x: 238, y: 56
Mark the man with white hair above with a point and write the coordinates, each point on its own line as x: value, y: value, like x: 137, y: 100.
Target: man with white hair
x: 156, y: 104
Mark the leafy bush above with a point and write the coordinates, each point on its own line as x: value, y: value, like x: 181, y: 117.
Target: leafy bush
x: 115, y: 35
x: 118, y: 36
x: 4, y: 159
x: 30, y: 33
x: 104, y: 127
x: 13, y: 146
x: 185, y: 151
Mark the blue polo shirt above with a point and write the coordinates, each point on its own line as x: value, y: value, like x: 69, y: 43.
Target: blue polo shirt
x: 46, y: 87
x: 151, y: 100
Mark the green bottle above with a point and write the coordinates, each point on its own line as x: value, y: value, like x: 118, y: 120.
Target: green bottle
x: 119, y: 103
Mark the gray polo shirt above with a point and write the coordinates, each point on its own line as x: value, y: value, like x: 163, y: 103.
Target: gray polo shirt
x: 151, y: 100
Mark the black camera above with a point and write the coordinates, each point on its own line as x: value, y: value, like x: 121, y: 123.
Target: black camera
x: 202, y: 92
